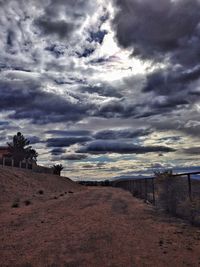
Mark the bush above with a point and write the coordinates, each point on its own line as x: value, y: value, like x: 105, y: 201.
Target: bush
x: 27, y: 202
x: 57, y: 169
x: 15, y: 205
x: 41, y: 192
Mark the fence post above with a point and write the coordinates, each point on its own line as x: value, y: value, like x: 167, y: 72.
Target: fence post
x: 4, y: 161
x: 145, y: 184
x: 189, y: 187
x: 12, y: 162
x: 132, y: 186
x: 153, y: 191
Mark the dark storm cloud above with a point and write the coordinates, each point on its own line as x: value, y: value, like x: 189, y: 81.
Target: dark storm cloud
x: 172, y: 80
x: 62, y: 18
x: 70, y: 133
x: 28, y: 101
x: 67, y: 141
x: 121, y: 134
x: 74, y: 157
x: 59, y: 27
x: 158, y: 29
x: 34, y: 139
x: 57, y: 151
x: 116, y: 108
x: 103, y: 147
x: 183, y: 124
x: 172, y: 89
x: 56, y: 50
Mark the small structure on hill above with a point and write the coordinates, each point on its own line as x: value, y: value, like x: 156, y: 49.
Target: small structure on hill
x: 4, y: 152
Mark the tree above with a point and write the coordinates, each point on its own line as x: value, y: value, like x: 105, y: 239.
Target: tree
x: 20, y: 149
x: 57, y: 169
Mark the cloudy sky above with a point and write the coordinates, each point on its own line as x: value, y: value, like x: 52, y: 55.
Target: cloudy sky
x: 108, y: 88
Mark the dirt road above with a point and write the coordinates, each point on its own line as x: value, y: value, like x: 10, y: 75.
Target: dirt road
x: 97, y: 227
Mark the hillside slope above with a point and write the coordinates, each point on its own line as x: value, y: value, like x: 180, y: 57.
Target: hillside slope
x: 93, y: 227
x: 18, y: 185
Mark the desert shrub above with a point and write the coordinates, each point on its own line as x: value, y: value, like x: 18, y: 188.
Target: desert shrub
x: 15, y: 205
x: 27, y: 202
x: 170, y: 191
x: 57, y: 169
x: 41, y: 192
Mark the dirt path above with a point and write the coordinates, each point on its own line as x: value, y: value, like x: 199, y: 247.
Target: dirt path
x: 98, y: 227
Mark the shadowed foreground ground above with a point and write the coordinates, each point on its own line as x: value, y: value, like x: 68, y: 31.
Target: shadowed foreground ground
x: 95, y: 227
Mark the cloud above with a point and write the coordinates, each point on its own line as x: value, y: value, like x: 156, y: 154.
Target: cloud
x: 102, y: 89
x: 74, y: 157
x: 121, y: 134
x: 59, y: 27
x: 192, y: 150
x: 97, y: 36
x: 65, y: 80
x: 159, y: 30
x: 70, y: 132
x: 66, y: 141
x: 116, y: 108
x: 57, y: 151
x: 27, y: 100
x: 34, y: 139
x: 103, y: 147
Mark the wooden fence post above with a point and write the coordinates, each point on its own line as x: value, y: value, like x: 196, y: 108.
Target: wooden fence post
x: 4, y: 161
x: 153, y: 191
x: 145, y: 185
x: 189, y: 187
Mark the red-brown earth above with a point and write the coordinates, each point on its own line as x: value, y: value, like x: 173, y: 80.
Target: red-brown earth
x: 73, y: 226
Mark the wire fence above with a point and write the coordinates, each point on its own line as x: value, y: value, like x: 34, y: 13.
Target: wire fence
x: 177, y: 194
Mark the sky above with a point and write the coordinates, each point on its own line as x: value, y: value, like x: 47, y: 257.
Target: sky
x: 108, y: 88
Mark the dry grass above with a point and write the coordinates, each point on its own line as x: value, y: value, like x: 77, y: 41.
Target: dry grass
x: 91, y: 227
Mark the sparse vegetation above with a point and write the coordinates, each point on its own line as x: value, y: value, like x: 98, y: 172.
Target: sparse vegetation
x: 16, y: 203
x: 27, y: 202
x: 57, y: 169
x: 41, y: 192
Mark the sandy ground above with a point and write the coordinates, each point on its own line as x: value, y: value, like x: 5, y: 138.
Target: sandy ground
x: 95, y: 227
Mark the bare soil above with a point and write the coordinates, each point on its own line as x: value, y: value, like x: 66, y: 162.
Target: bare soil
x: 73, y: 226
